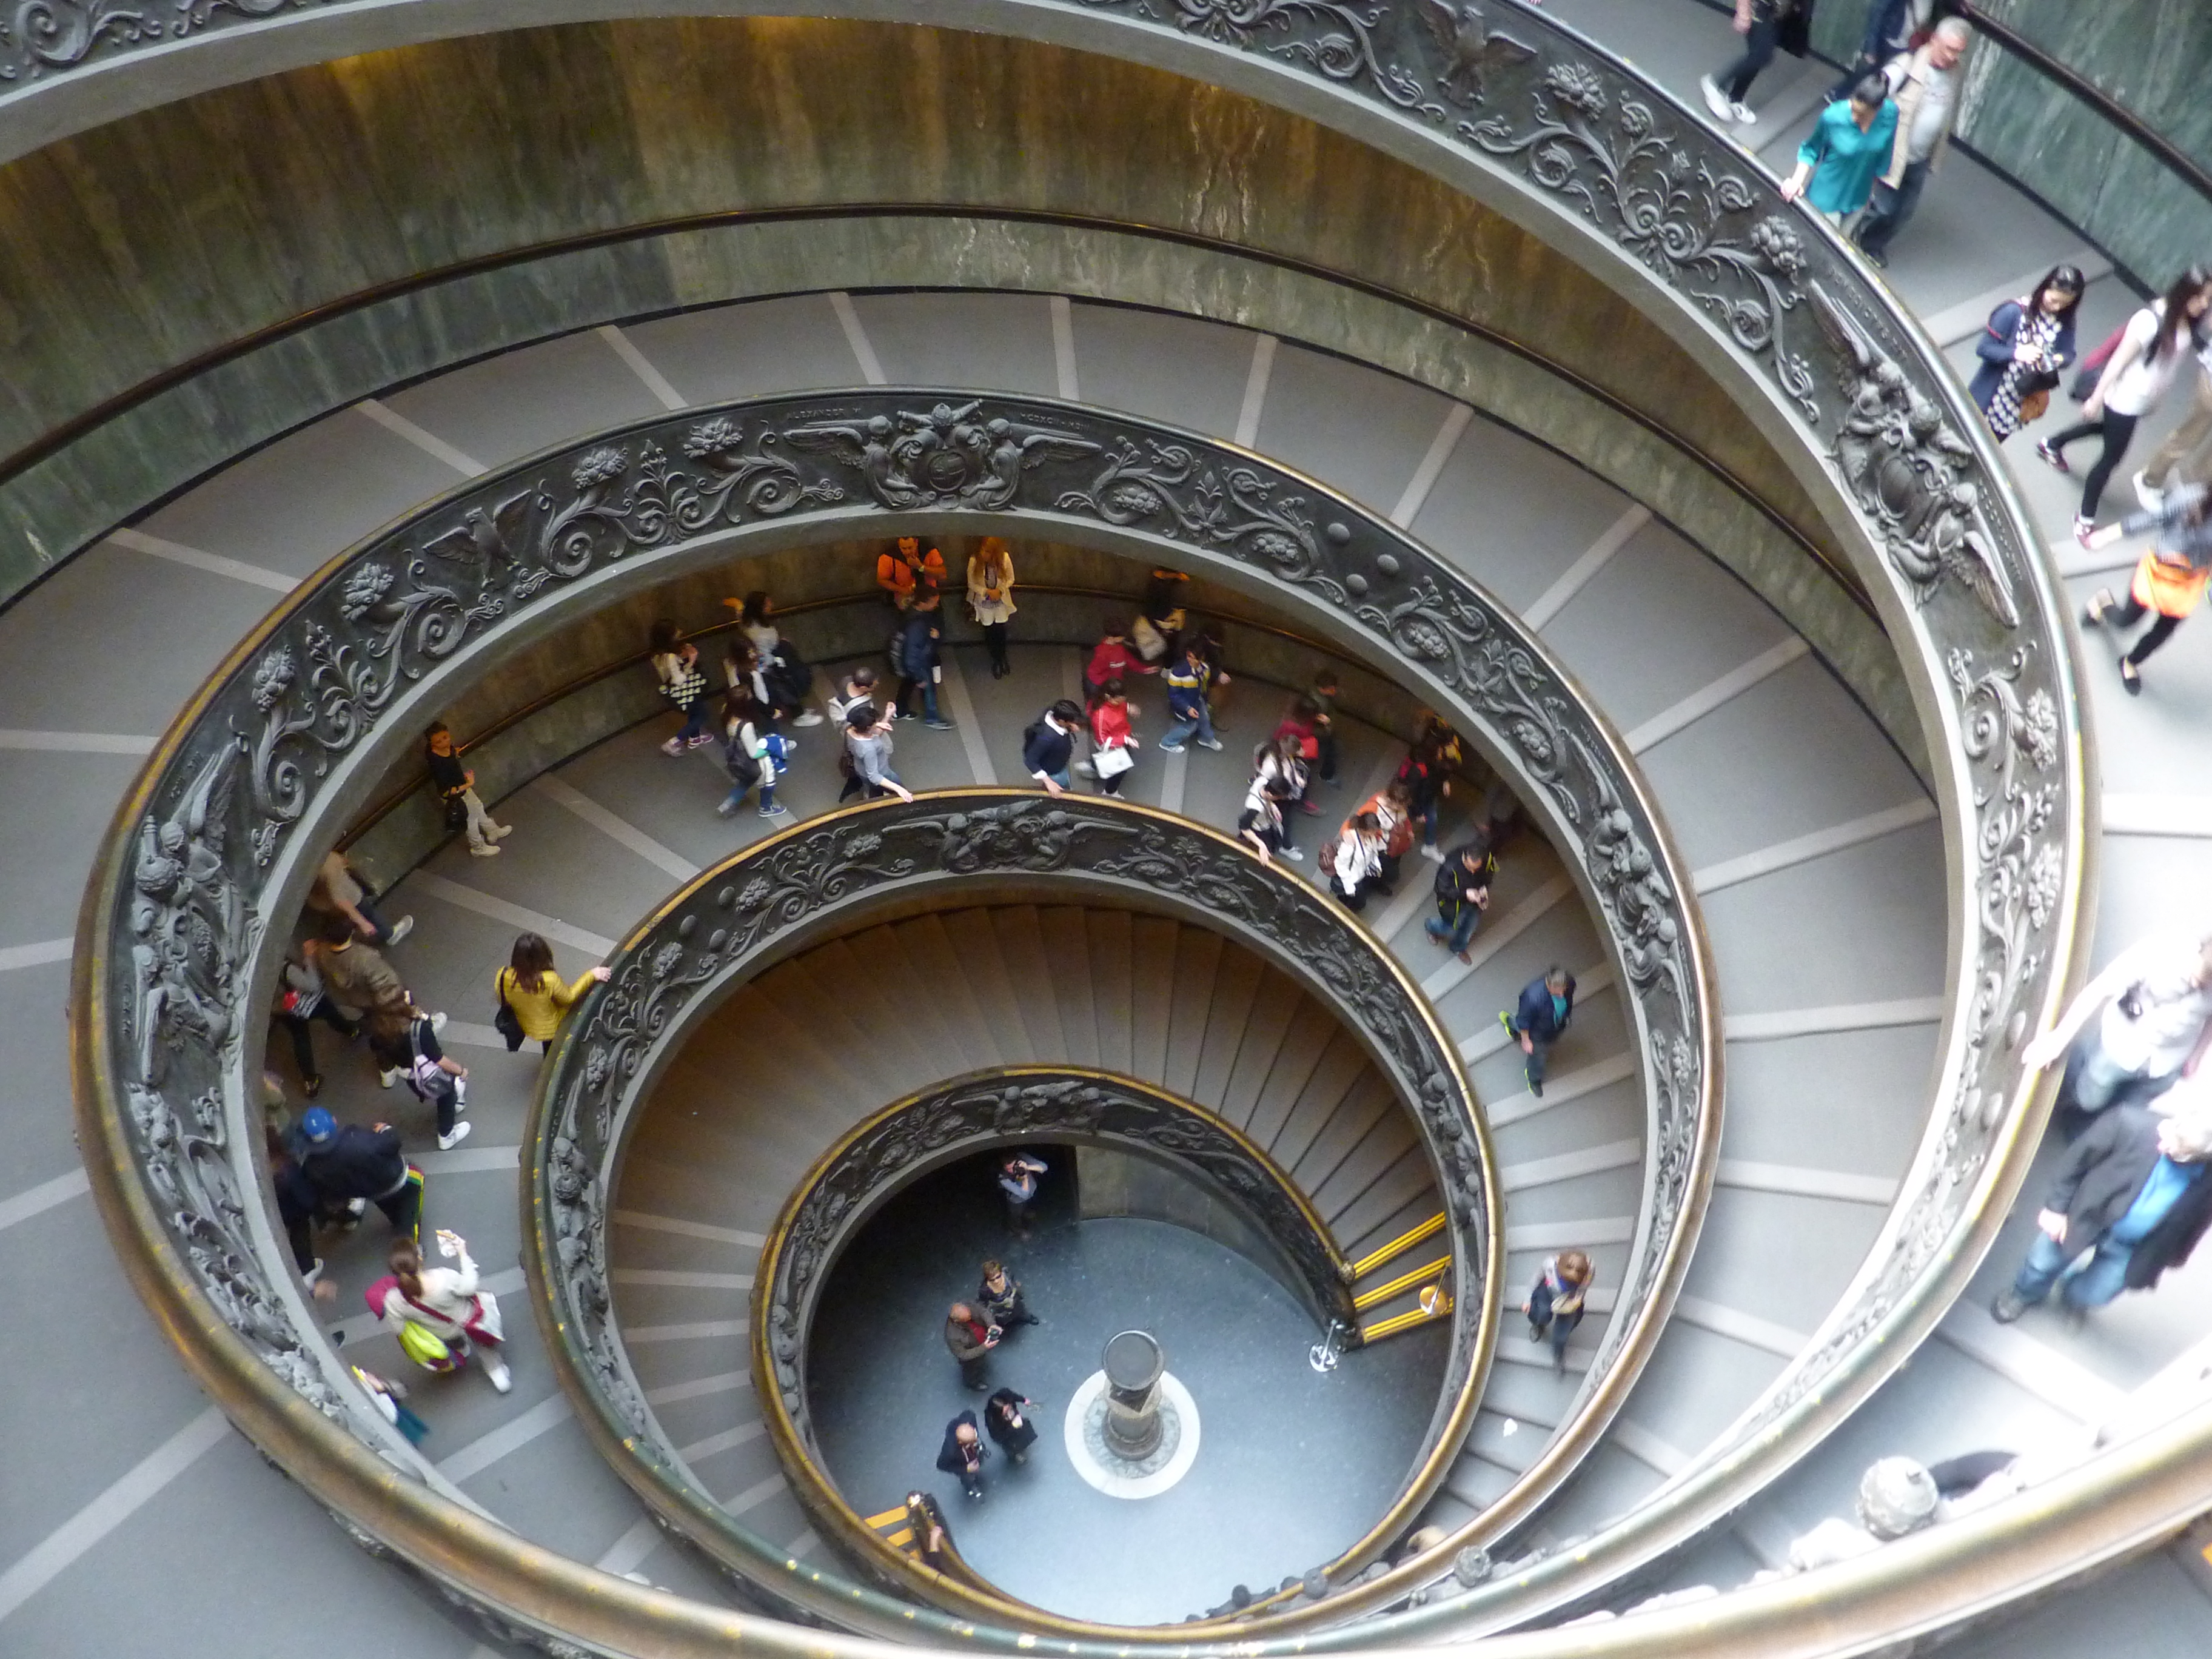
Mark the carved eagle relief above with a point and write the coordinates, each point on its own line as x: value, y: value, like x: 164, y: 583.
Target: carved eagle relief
x: 1470, y: 51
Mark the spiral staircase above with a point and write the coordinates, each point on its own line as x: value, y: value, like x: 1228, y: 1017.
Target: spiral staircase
x: 1804, y: 814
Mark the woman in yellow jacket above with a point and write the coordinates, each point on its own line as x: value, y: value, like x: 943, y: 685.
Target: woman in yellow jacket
x: 533, y: 995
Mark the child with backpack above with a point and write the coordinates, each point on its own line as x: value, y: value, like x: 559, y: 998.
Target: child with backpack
x: 405, y: 1042
x: 755, y: 755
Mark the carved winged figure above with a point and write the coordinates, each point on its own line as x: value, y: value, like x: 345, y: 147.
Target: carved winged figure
x: 486, y: 539
x: 1903, y: 462
x: 868, y: 446
x: 1470, y: 51
x: 1014, y: 448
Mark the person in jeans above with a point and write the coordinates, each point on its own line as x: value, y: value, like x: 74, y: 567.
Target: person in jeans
x: 1764, y: 25
x: 1851, y: 145
x: 919, y: 661
x: 1537, y: 1021
x: 2170, y: 579
x: 2137, y: 1028
x: 1555, y: 1302
x: 1925, y: 85
x: 753, y: 754
x: 684, y: 683
x: 970, y: 1338
x: 405, y: 1044
x: 338, y: 890
x: 1017, y: 1185
x: 2136, y: 377
x: 2132, y: 1197
x: 2186, y: 455
x: 456, y: 788
x: 1188, y: 682
x: 1049, y: 746
x: 868, y: 758
x: 1463, y: 895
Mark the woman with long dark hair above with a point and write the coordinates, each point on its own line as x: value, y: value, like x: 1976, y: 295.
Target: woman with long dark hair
x: 2151, y: 348
x: 530, y: 989
x: 2027, y: 344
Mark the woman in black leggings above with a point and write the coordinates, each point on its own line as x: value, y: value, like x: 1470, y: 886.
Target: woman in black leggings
x: 2150, y: 352
x: 2170, y: 580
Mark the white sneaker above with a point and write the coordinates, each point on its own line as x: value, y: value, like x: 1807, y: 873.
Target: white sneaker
x: 499, y: 831
x: 356, y: 1207
x: 1294, y: 854
x: 446, y: 1143
x: 1084, y: 768
x: 496, y: 1373
x: 1744, y: 115
x: 1723, y: 110
x: 405, y: 925
x: 484, y: 851
x: 313, y: 1275
x: 437, y: 1022
x: 384, y: 1079
x: 1433, y: 854
x: 674, y: 746
x: 2153, y: 499
x: 807, y: 717
x: 1213, y: 743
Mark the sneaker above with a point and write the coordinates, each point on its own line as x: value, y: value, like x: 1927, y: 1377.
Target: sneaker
x: 482, y: 851
x: 1309, y: 809
x: 701, y: 740
x: 312, y: 1274
x: 1535, y: 1332
x: 1874, y: 256
x: 2130, y: 676
x: 1535, y: 1087
x: 2053, y: 457
x: 356, y: 1207
x: 2083, y: 529
x: 1506, y: 1020
x: 1170, y: 749
x: 674, y: 746
x: 496, y: 1373
x: 1716, y: 99
x: 1743, y: 115
x: 778, y: 811
x: 1433, y: 854
x: 727, y: 809
x: 2007, y: 1307
x: 400, y: 929
x: 1085, y: 770
x: 2101, y: 602
x: 938, y: 726
x: 807, y: 717
x: 1214, y: 744
x: 499, y: 831
x: 437, y: 1022
x: 1466, y: 960
x: 446, y: 1143
x: 385, y: 1078
x: 1294, y: 854
x: 2152, y: 497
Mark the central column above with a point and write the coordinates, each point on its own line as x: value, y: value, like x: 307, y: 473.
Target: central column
x: 1133, y: 1363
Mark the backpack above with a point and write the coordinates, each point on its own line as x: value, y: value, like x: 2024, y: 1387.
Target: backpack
x: 739, y: 762
x: 425, y: 1076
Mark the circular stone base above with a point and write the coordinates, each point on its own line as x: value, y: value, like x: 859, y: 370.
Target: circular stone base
x: 1084, y: 1430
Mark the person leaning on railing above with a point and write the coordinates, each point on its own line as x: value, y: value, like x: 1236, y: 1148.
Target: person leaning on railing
x: 529, y: 991
x: 2152, y: 1005
x: 1850, y: 144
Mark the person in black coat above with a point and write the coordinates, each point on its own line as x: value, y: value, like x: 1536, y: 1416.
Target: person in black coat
x: 2025, y: 348
x: 918, y: 662
x: 962, y: 1454
x: 2132, y: 1196
x: 1049, y: 746
x: 352, y: 1165
x: 1547, y: 1004
x: 1010, y: 1426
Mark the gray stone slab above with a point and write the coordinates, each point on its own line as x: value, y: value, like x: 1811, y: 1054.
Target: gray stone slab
x: 724, y: 352
x: 1354, y: 427
x: 1780, y: 1257
x: 992, y: 342
x: 305, y: 498
x: 35, y: 1081
x: 520, y: 402
x: 1848, y: 1101
x: 58, y: 808
x: 1176, y: 369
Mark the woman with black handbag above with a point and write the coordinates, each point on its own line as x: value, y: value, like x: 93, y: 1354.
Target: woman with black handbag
x: 2026, y: 346
x: 531, y: 998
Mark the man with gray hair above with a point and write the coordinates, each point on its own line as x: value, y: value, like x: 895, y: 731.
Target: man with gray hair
x: 1925, y: 84
x: 2132, y: 1197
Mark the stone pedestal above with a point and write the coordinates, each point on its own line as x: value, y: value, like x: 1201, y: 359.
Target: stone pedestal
x: 1133, y: 1363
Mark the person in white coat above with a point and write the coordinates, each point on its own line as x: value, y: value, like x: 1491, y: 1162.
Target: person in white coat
x: 448, y: 1302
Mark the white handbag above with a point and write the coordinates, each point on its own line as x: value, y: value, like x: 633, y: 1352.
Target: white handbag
x: 1112, y: 762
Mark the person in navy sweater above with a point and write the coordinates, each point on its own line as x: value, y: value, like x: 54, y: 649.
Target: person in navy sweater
x: 1546, y: 1004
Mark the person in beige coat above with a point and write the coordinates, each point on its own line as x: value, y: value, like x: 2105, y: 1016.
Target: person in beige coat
x: 991, y: 598
x: 1926, y: 85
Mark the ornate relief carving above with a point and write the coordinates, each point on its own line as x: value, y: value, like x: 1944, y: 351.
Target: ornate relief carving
x: 991, y: 1110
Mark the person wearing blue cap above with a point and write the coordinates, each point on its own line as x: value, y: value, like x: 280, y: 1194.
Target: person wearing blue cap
x: 350, y: 1168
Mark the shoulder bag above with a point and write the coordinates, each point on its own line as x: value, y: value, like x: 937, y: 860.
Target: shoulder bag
x: 506, y: 1022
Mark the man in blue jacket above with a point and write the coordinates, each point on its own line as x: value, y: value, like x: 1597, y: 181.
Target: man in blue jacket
x: 918, y: 660
x: 354, y: 1166
x: 1547, y: 1004
x: 1188, y: 683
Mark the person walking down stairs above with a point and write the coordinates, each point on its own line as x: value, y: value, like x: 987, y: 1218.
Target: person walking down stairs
x: 406, y: 1045
x: 1545, y: 1005
x: 684, y: 683
x: 1764, y: 25
x: 532, y: 999
x: 1049, y: 746
x: 1463, y: 895
x: 2170, y: 579
x: 448, y: 1304
x: 1115, y: 753
x: 1555, y: 1302
x: 1188, y: 682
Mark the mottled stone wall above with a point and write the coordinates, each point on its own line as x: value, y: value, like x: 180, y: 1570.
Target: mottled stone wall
x: 147, y: 243
x: 2152, y: 56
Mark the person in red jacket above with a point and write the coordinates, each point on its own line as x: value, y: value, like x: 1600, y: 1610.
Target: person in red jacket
x: 1112, y: 659
x: 1109, y: 729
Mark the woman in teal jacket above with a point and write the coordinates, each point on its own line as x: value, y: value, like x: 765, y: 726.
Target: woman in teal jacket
x: 1846, y: 153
